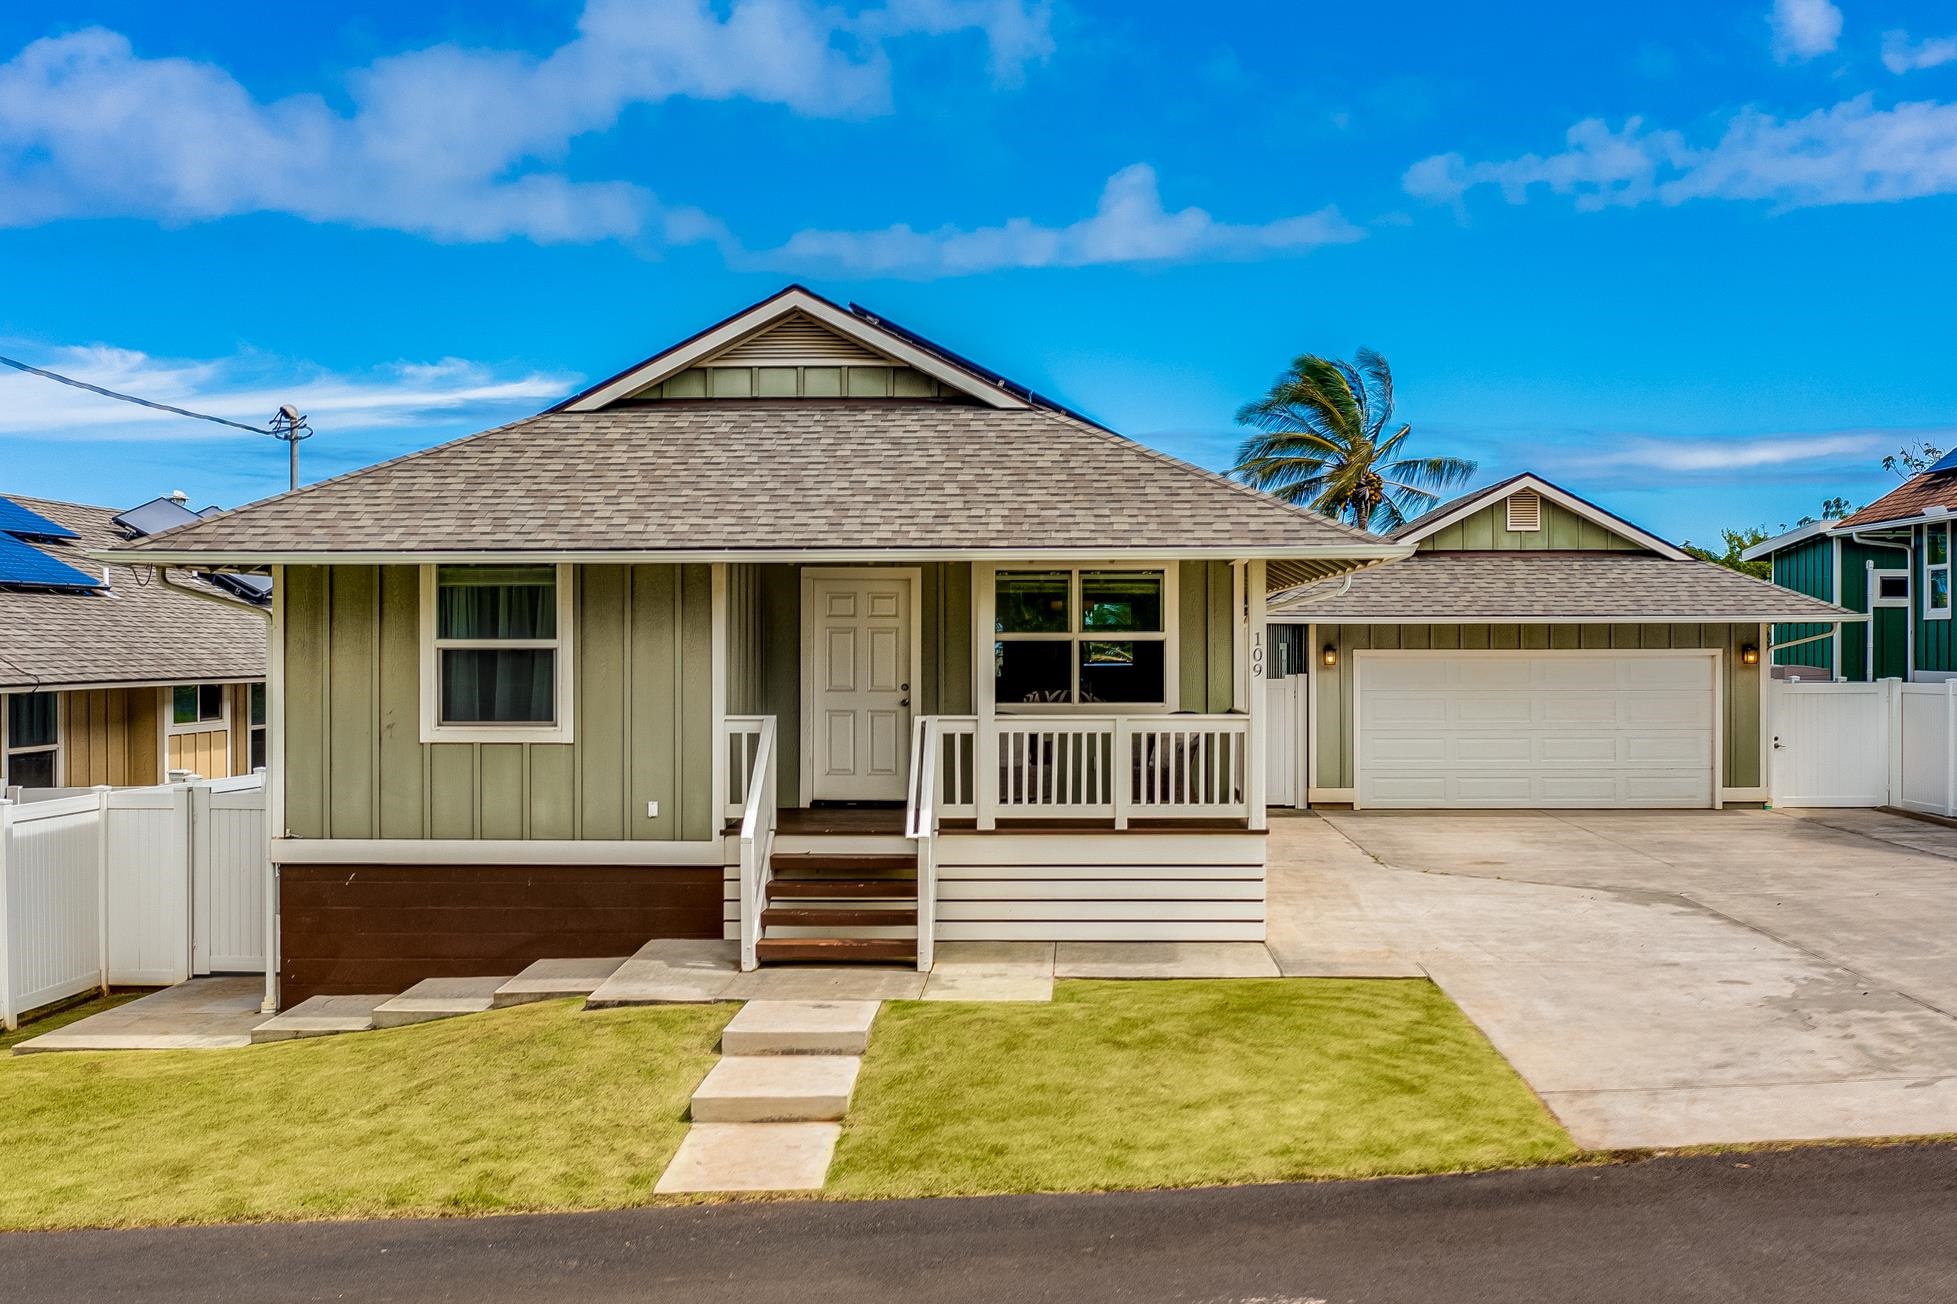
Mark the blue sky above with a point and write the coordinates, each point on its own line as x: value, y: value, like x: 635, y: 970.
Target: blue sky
x: 1693, y: 261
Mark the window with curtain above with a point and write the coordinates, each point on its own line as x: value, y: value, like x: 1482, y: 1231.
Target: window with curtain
x: 32, y: 741
x: 1080, y: 637
x: 496, y: 645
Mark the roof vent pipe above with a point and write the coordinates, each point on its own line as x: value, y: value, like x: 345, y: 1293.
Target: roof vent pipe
x: 178, y: 496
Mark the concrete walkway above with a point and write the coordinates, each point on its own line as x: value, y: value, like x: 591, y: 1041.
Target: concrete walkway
x: 202, y: 1014
x: 1661, y: 979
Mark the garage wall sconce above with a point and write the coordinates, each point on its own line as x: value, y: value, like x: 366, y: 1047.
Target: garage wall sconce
x: 1330, y: 656
x: 1750, y: 654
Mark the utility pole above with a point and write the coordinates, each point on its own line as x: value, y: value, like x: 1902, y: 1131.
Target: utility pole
x: 289, y: 426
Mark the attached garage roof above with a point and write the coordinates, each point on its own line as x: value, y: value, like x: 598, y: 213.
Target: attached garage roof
x: 732, y: 479
x: 1552, y: 587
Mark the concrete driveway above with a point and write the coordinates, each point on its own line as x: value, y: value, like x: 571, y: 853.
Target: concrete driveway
x: 1661, y: 979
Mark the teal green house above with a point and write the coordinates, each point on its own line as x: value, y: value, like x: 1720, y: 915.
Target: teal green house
x: 1889, y: 561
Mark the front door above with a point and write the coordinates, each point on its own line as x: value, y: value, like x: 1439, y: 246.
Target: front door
x: 861, y: 653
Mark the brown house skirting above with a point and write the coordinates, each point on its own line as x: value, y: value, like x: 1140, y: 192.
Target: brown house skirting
x: 355, y: 929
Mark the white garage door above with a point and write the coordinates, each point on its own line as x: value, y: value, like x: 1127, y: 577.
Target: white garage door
x: 1523, y: 730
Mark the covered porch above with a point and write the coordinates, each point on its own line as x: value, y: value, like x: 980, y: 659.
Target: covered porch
x: 991, y: 751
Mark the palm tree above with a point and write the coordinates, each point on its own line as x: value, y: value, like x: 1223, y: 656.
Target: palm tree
x: 1321, y: 444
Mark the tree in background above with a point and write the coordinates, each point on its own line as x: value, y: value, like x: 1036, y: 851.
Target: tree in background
x: 1321, y: 443
x: 1912, y: 459
x: 1735, y: 542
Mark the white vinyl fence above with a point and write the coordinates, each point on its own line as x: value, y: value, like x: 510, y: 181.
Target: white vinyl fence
x: 130, y: 887
x: 1883, y: 744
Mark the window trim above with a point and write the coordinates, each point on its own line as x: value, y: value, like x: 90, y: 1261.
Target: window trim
x: 223, y: 721
x: 263, y: 728
x: 1170, y: 637
x: 8, y: 750
x: 1930, y: 571
x: 433, y: 730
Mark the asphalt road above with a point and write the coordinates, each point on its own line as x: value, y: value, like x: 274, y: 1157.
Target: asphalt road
x: 1859, y: 1225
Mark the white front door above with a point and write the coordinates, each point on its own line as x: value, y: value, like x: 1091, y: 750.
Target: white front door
x: 1513, y: 729
x: 859, y: 639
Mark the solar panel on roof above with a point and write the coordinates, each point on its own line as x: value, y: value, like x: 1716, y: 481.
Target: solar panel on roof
x: 1948, y: 462
x: 156, y: 516
x: 15, y: 519
x: 22, y: 563
x: 256, y: 587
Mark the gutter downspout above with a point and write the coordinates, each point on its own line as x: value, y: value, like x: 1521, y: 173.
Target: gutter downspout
x: 270, y: 1005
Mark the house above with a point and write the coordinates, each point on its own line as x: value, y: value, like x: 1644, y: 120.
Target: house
x: 1890, y: 562
x: 1535, y: 651
x: 805, y: 631
x: 107, y: 675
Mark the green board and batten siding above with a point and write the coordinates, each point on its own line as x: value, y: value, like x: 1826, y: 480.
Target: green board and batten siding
x: 1562, y: 530
x: 1740, y: 692
x: 355, y: 763
x: 1809, y: 567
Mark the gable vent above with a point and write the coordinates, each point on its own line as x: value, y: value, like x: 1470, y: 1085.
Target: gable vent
x: 795, y: 341
x: 1525, y: 511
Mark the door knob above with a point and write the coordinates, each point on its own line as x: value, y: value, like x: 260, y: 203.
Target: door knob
x: 903, y: 701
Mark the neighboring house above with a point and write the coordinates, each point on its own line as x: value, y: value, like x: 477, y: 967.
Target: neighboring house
x: 107, y: 676
x: 1889, y: 561
x: 1536, y: 651
x: 799, y: 583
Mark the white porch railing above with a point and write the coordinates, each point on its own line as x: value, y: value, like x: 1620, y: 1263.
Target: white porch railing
x: 757, y: 814
x: 1118, y: 768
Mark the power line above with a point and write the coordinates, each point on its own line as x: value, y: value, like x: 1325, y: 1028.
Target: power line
x: 143, y: 402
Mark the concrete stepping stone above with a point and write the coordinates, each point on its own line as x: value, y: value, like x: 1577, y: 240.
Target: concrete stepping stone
x: 438, y: 998
x: 751, y: 1157
x: 550, y: 980
x: 799, y: 1028
x: 320, y: 1016
x: 776, y: 1089
x: 671, y: 971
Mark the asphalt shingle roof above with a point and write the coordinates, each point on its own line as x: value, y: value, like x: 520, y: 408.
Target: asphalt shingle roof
x: 1457, y: 587
x: 759, y: 474
x: 136, y: 632
x: 1907, y: 500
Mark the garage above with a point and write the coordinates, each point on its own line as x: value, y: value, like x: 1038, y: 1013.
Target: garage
x: 1534, y: 650
x: 1519, y: 730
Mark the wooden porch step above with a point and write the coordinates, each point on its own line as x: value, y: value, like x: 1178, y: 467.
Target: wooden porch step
x: 856, y: 866
x: 839, y: 916
x: 825, y: 950
x: 895, y: 889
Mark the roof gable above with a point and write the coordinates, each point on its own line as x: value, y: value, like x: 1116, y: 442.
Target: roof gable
x: 1557, y: 513
x: 796, y: 328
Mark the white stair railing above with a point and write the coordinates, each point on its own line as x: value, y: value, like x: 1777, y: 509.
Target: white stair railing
x: 757, y: 835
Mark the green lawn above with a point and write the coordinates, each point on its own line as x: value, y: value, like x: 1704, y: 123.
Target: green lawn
x: 537, y: 1107
x: 1143, y: 1084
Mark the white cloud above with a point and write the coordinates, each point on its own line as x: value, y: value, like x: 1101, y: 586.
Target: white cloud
x: 1804, y: 29
x: 1901, y: 55
x: 1853, y: 153
x: 1758, y: 453
x: 248, y: 388
x: 1130, y: 225
x: 449, y: 142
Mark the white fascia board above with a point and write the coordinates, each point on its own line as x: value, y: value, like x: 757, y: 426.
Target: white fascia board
x: 1900, y: 523
x: 91, y: 685
x: 1562, y: 498
x: 866, y: 333
x: 1767, y: 547
x: 459, y: 557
